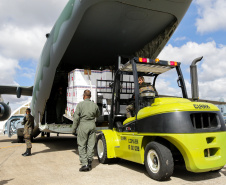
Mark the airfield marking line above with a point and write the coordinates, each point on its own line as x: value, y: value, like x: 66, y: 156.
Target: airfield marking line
x: 11, y: 146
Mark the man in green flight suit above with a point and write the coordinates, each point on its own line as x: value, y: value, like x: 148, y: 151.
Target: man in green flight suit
x: 84, y: 119
x: 28, y: 123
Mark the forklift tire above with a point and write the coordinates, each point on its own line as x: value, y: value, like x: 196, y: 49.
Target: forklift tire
x: 158, y: 161
x: 20, y: 139
x: 102, y: 151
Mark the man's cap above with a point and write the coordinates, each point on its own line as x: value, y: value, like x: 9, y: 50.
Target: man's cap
x: 28, y: 109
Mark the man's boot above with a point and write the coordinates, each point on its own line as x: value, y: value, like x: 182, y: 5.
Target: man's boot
x: 84, y: 168
x: 24, y: 153
x: 90, y: 164
x: 28, y: 152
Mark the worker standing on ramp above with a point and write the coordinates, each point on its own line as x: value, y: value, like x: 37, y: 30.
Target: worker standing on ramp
x: 28, y: 123
x: 84, y: 119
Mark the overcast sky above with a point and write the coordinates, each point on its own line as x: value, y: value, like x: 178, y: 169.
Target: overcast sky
x: 202, y: 32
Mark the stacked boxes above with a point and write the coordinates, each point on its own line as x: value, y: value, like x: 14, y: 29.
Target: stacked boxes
x: 95, y: 75
x: 73, y: 108
x: 128, y: 86
x: 69, y: 108
x: 70, y: 94
x: 78, y: 81
x: 106, y: 75
x: 81, y: 77
x: 70, y: 79
x: 85, y: 77
x: 148, y: 79
x: 79, y: 90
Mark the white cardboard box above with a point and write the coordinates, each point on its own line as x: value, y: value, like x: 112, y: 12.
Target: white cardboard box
x: 95, y: 75
x: 107, y: 96
x: 86, y: 77
x: 79, y: 91
x: 69, y: 94
x: 131, y: 79
x: 74, y: 105
x: 148, y: 79
x: 126, y: 78
x: 80, y: 78
x: 69, y: 108
x: 107, y: 74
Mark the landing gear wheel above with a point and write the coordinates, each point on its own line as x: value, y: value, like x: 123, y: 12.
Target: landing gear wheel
x: 48, y: 134
x: 102, y: 150
x: 20, y: 139
x: 158, y: 161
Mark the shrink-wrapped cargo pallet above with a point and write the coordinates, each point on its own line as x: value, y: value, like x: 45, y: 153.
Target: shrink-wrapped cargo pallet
x: 82, y: 79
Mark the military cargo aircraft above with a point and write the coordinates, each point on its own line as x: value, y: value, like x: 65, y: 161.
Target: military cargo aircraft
x: 128, y: 35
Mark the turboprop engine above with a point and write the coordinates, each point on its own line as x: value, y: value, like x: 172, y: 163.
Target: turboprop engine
x: 5, y: 111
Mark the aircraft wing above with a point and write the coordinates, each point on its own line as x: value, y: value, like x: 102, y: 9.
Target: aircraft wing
x: 16, y: 90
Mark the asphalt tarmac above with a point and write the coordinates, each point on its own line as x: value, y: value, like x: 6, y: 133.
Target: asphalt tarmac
x: 55, y: 160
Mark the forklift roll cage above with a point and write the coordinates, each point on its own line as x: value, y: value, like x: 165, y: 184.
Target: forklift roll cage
x: 130, y: 68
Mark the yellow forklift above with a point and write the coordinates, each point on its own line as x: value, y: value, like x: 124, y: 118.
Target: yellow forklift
x: 163, y: 130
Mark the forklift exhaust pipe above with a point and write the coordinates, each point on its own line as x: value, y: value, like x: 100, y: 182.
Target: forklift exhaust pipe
x: 194, y: 79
